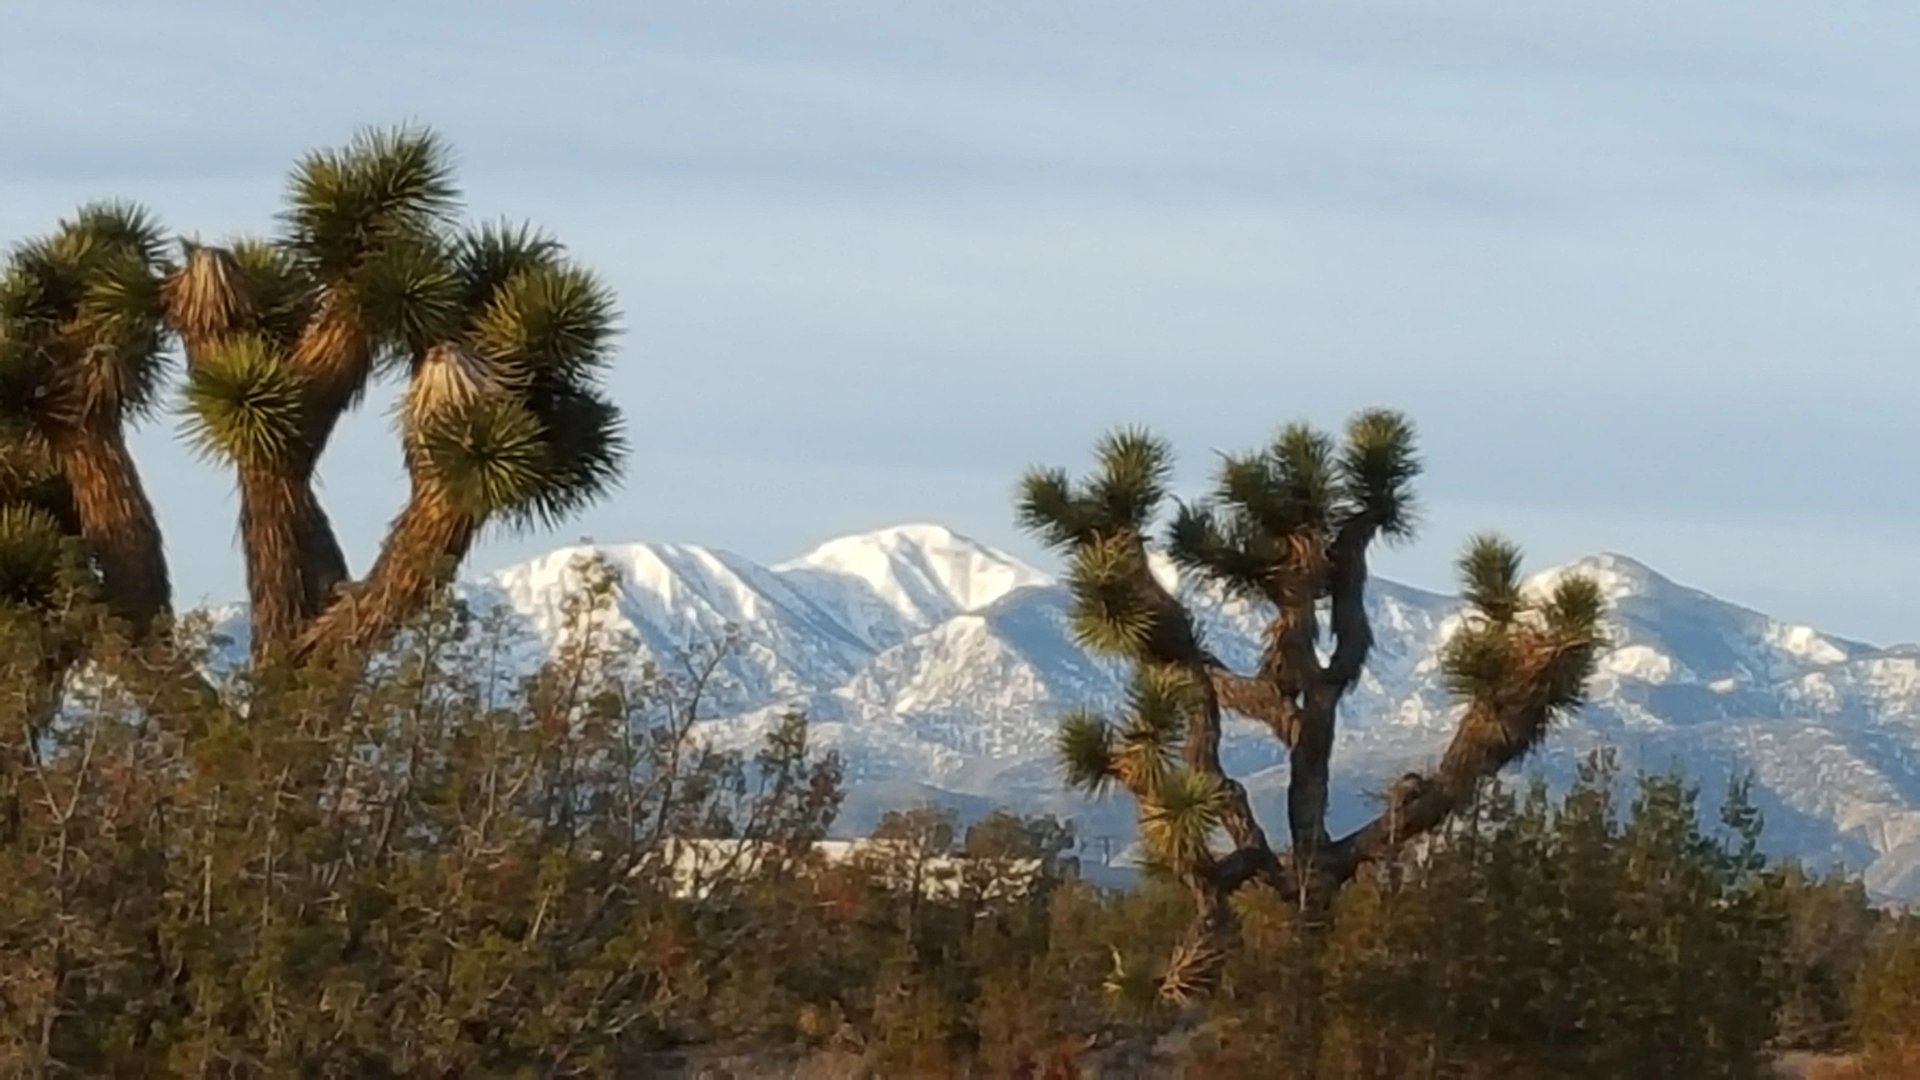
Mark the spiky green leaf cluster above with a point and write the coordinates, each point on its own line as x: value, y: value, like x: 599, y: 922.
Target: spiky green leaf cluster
x: 493, y: 253
x: 1122, y: 496
x: 1180, y: 816
x: 1102, y: 520
x: 1378, y: 465
x: 1489, y: 571
x: 80, y: 319
x: 1084, y: 748
x: 243, y: 403
x: 37, y: 556
x: 347, y: 207
x: 1159, y: 701
x: 485, y: 457
x: 542, y: 336
x: 410, y: 298
x: 1522, y: 660
x: 1114, y: 609
x: 1288, y: 502
x: 556, y: 321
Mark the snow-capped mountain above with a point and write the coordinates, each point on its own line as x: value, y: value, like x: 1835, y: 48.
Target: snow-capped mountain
x: 939, y: 667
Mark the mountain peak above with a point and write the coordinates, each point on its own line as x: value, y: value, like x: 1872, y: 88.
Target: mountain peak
x: 1617, y: 575
x: 922, y: 535
x: 902, y: 579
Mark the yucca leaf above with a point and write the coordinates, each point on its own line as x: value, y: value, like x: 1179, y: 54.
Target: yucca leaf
x: 1303, y: 469
x: 1478, y: 662
x: 1112, y: 612
x: 556, y: 321
x: 1377, y: 468
x: 1576, y: 611
x: 1084, y: 746
x: 385, y: 186
x: 124, y: 227
x: 34, y: 551
x: 45, y: 281
x: 243, y: 403
x: 586, y: 453
x: 118, y: 336
x: 1159, y: 699
x: 280, y: 293
x: 1489, y: 571
x: 1226, y: 546
x: 27, y: 468
x: 1135, y: 467
x: 1250, y: 486
x: 487, y: 458
x: 1049, y: 508
x: 1149, y: 742
x: 494, y: 253
x: 1178, y: 819
x: 408, y: 297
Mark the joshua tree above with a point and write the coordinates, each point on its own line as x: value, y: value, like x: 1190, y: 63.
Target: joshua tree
x: 1288, y: 527
x: 499, y: 336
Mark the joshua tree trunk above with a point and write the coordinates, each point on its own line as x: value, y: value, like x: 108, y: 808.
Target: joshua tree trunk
x: 118, y: 524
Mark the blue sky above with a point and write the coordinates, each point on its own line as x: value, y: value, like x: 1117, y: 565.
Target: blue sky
x: 1644, y: 273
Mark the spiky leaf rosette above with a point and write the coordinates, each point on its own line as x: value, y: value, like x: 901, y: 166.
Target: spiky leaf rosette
x: 1122, y: 496
x: 30, y: 479
x: 491, y: 254
x: 486, y: 458
x: 553, y: 323
x: 1050, y: 508
x: 1376, y: 471
x: 1158, y: 703
x: 1302, y: 462
x: 1192, y: 972
x: 409, y: 297
x: 1231, y: 548
x: 1084, y: 747
x: 1179, y: 817
x: 1135, y: 467
x: 586, y: 450
x: 120, y: 226
x: 37, y: 556
x: 348, y: 207
x: 1489, y: 571
x: 244, y: 404
x: 80, y: 316
x: 1520, y: 662
x: 280, y: 294
x: 1113, y: 610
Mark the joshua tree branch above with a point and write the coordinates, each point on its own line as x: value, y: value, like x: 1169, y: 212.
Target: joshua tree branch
x: 1491, y: 735
x: 1347, y: 584
x: 1257, y: 698
x: 423, y: 547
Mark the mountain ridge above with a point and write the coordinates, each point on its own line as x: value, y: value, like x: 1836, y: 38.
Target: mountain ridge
x: 934, y: 661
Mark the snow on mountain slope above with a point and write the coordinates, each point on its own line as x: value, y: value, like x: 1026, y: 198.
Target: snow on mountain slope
x: 886, y: 585
x: 675, y: 599
x: 936, y: 663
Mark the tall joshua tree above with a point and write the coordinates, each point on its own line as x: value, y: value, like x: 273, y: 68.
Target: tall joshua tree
x: 1290, y: 528
x: 499, y: 336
